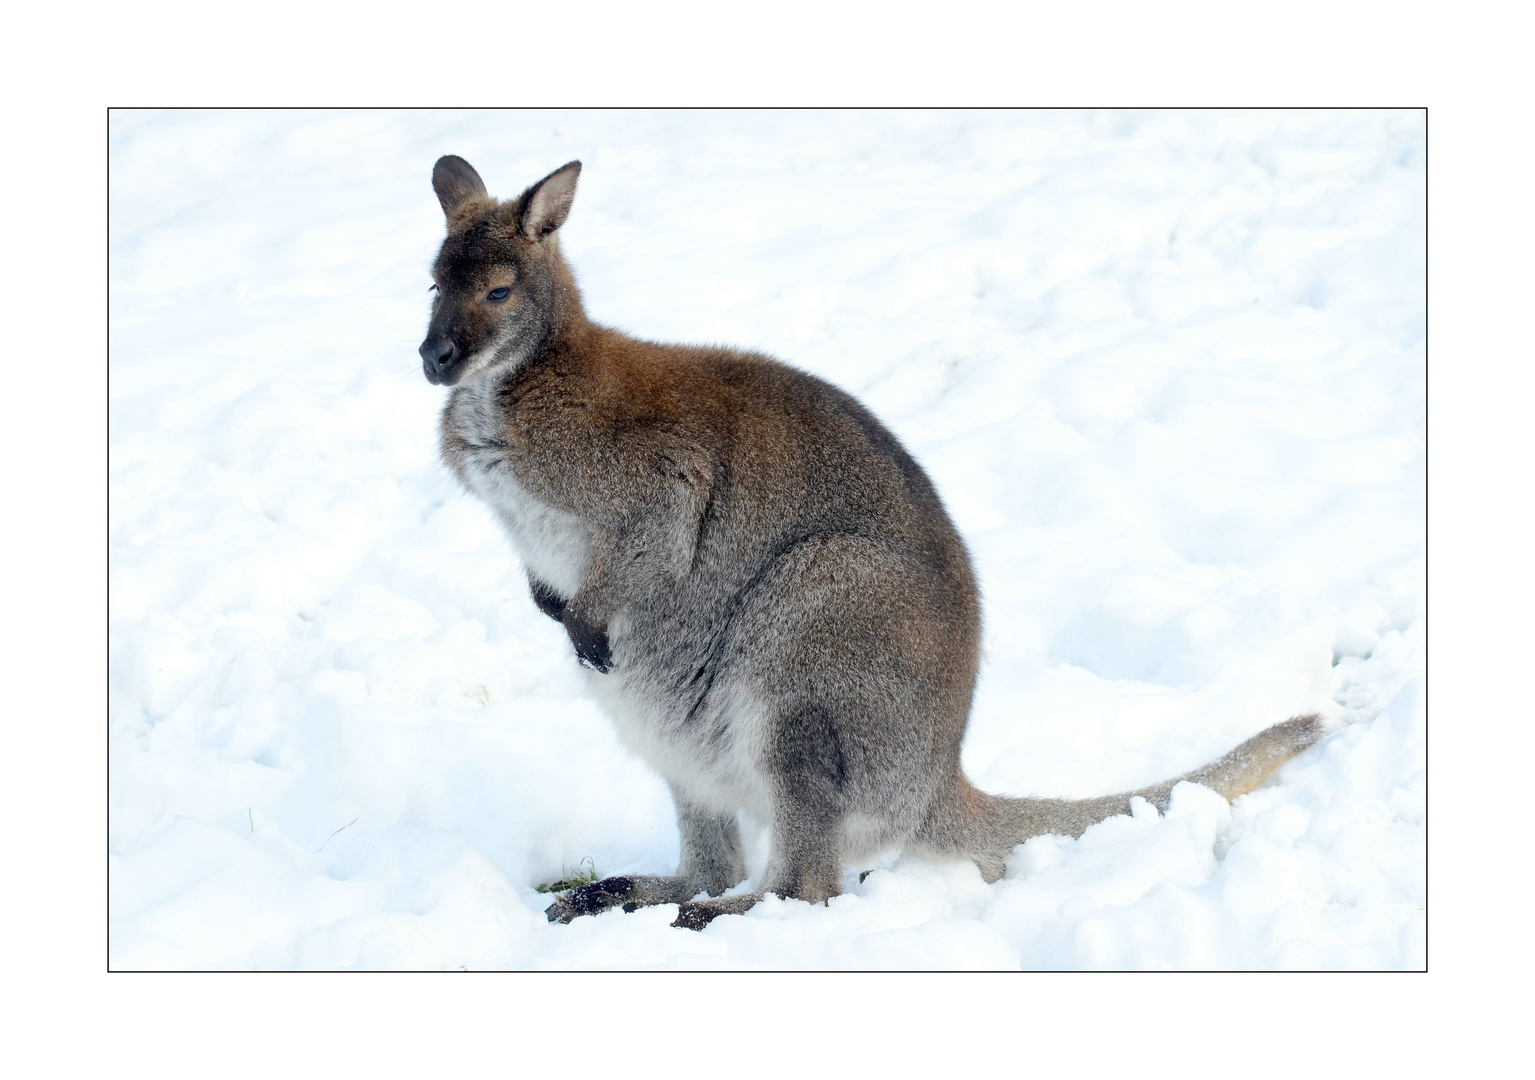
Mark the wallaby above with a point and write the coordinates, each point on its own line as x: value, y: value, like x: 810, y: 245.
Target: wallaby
x: 763, y: 586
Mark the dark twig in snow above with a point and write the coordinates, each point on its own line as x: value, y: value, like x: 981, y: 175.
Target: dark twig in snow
x: 332, y: 836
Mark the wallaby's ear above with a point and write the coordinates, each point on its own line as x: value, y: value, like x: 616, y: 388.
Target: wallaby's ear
x: 455, y: 182
x: 545, y: 206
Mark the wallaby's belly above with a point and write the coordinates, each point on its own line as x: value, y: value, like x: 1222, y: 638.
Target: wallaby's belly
x: 713, y: 755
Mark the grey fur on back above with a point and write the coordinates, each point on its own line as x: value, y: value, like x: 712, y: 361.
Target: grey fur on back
x: 768, y: 596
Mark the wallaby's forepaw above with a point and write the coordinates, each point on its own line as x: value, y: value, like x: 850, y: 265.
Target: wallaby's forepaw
x: 549, y: 602
x: 591, y: 899
x: 591, y: 643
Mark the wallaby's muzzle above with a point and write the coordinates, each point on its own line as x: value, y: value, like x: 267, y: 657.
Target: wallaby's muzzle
x: 438, y: 356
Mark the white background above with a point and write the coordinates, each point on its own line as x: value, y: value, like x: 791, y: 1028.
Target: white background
x: 1367, y: 54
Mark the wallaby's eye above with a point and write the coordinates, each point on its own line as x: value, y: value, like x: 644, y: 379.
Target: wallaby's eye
x: 500, y: 294
x: 433, y: 287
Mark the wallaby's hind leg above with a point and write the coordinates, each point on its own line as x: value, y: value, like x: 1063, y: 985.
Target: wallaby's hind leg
x: 805, y: 865
x: 811, y: 773
x: 711, y: 863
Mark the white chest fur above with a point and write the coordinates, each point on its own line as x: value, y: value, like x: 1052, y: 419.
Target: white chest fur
x: 553, y: 545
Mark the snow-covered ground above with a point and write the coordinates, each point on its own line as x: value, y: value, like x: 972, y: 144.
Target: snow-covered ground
x: 1167, y: 371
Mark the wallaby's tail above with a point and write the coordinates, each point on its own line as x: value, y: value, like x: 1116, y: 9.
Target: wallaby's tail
x: 986, y: 827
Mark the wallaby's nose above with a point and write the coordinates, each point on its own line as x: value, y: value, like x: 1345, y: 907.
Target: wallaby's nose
x: 437, y: 354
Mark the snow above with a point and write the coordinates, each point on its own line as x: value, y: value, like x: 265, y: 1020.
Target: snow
x: 1166, y: 369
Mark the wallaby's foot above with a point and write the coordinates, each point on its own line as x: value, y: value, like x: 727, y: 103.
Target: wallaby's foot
x: 697, y: 914
x: 691, y: 916
x: 592, y: 899
x: 591, y: 643
x: 633, y: 891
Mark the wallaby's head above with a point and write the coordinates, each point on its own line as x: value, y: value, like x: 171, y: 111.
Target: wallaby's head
x: 501, y: 287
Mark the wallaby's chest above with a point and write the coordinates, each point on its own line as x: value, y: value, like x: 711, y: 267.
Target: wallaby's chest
x: 553, y: 544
